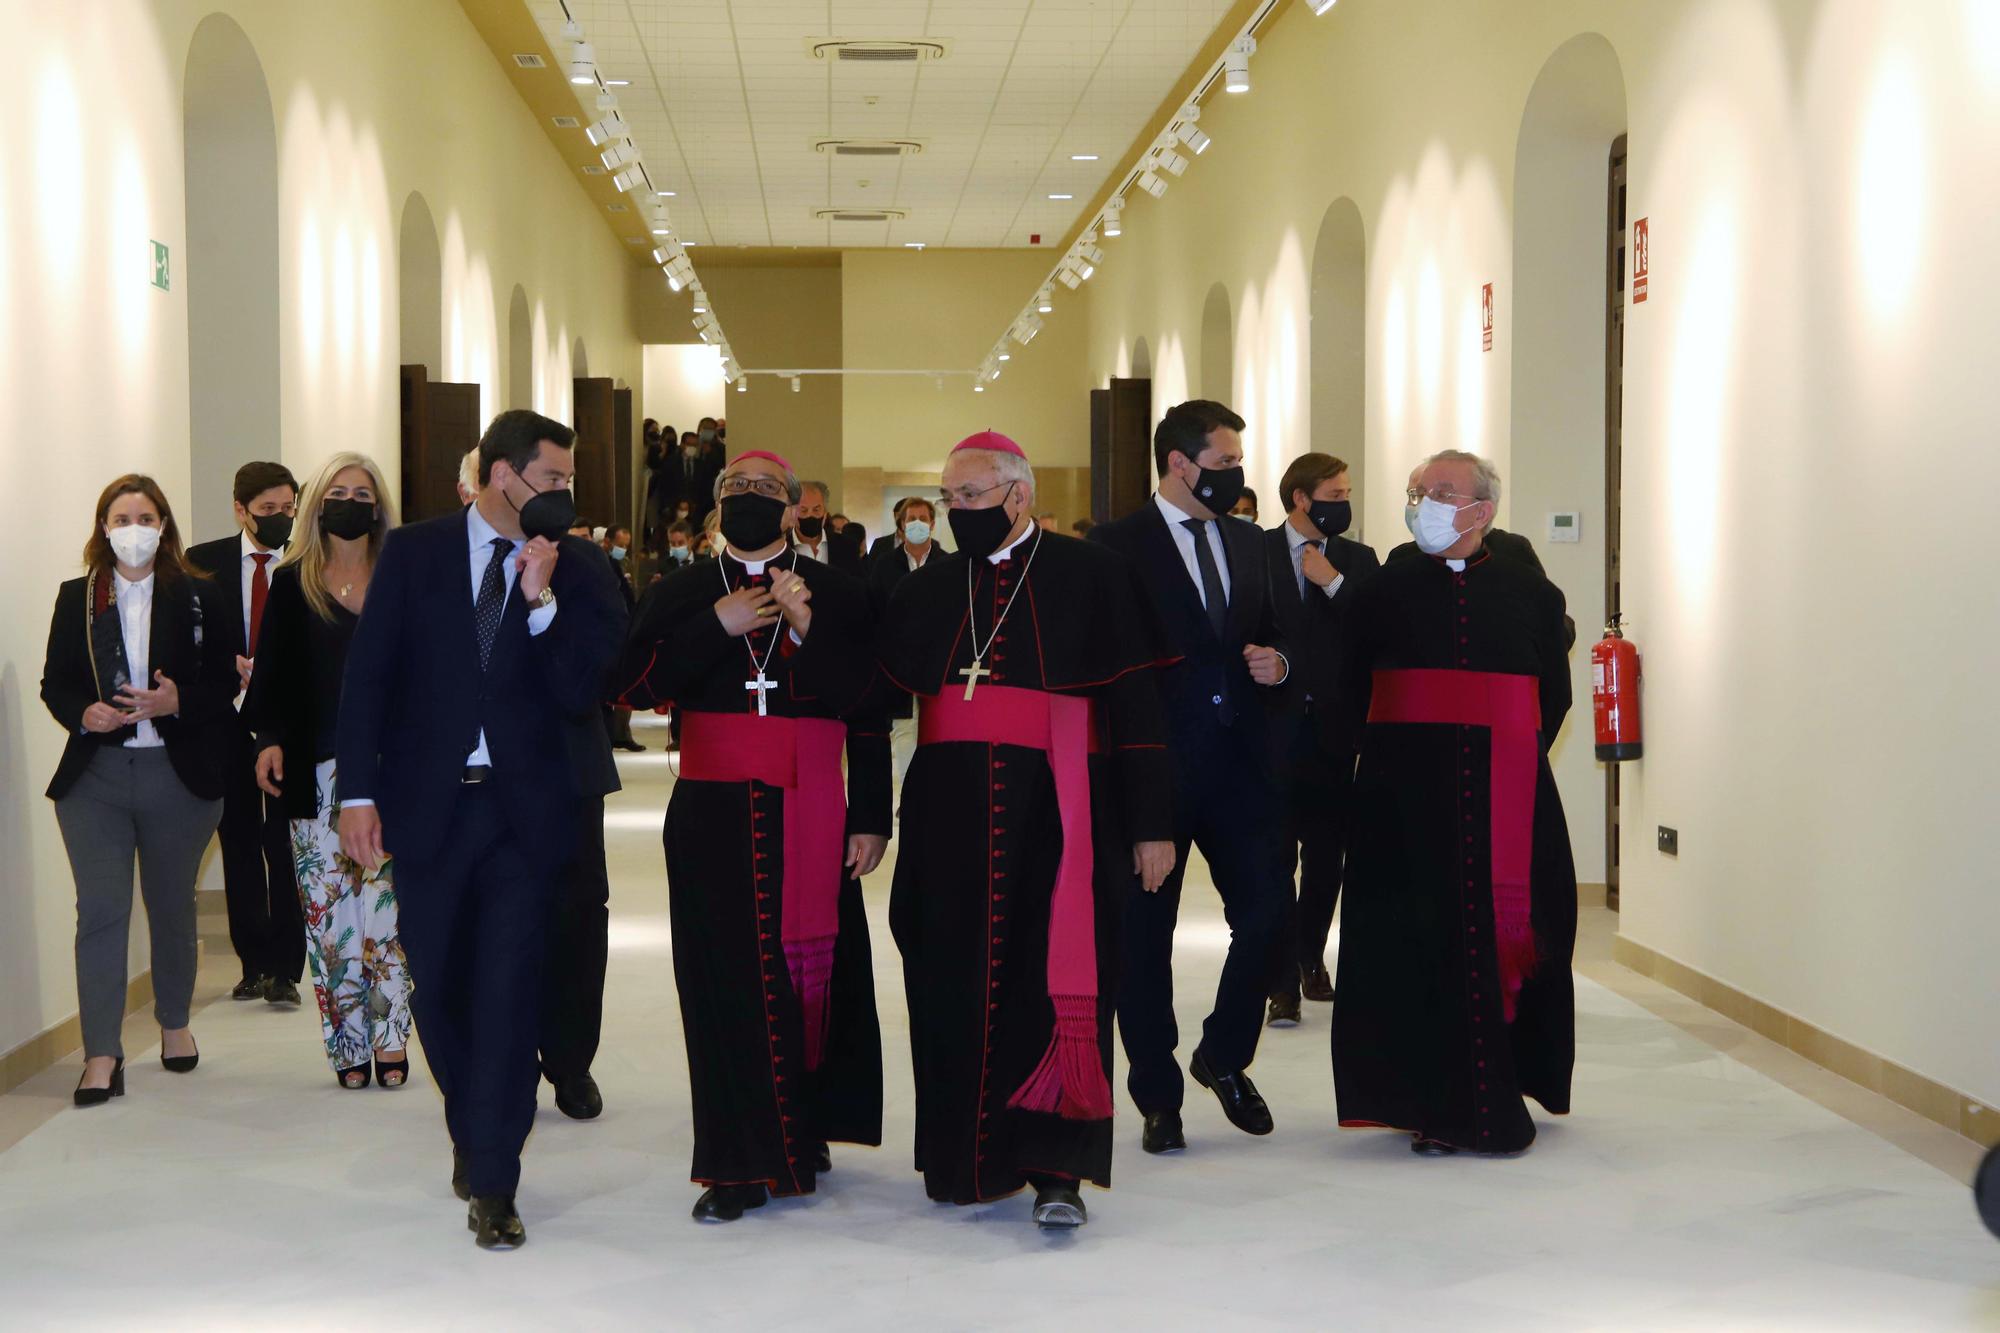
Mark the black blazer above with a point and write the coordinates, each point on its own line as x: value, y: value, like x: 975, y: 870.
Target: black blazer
x: 1210, y: 687
x: 880, y: 547
x: 1311, y: 624
x: 414, y: 699
x: 182, y: 644
x: 296, y: 686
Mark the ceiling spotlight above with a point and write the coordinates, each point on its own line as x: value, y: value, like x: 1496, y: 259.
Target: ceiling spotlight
x: 621, y: 154
x: 1319, y: 7
x: 700, y: 303
x: 1165, y: 156
x: 795, y: 384
x: 681, y: 271
x: 582, y: 64
x: 662, y: 257
x: 743, y: 384
x: 1152, y: 184
x: 673, y: 283
x: 1236, y: 64
x: 1044, y: 300
x: 979, y: 388
x: 1025, y: 330
x: 1006, y: 356
x: 1190, y: 133
x: 1113, y: 207
x: 1090, y: 252
x: 1068, y: 278
x: 629, y: 179
x: 606, y: 99
x: 604, y: 131
x: 660, y: 225
x: 1085, y: 271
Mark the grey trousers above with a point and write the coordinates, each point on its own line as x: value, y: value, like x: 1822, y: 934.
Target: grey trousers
x: 130, y: 803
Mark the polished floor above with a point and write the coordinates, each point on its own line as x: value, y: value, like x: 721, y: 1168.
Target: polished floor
x: 1704, y: 1182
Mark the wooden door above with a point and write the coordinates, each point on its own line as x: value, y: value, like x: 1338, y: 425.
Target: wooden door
x: 1100, y: 455
x: 451, y: 426
x: 595, y: 421
x: 1131, y: 444
x: 414, y: 383
x: 621, y: 457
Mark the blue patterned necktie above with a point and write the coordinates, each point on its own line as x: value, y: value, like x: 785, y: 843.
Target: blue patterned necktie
x: 492, y: 598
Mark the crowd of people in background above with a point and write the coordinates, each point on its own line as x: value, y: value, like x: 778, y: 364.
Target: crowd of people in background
x: 404, y: 736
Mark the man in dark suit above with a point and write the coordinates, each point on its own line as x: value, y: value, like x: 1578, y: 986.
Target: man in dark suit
x: 1210, y: 584
x: 1314, y: 571
x: 486, y: 639
x: 266, y: 926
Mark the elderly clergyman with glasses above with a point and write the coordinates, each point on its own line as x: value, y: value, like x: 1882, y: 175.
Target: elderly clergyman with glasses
x: 768, y: 659
x: 1453, y: 1001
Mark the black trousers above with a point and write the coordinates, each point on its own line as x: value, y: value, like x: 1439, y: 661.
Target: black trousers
x: 1314, y: 849
x: 474, y: 919
x: 266, y: 925
x: 1224, y: 804
x: 579, y: 946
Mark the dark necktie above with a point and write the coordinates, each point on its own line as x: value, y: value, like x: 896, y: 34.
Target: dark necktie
x: 1211, y: 577
x: 1302, y: 566
x: 492, y: 597
x: 260, y: 588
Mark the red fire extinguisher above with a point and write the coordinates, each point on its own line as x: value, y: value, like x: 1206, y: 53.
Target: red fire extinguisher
x: 1614, y: 695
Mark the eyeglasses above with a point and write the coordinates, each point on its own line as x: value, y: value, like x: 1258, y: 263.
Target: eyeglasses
x: 742, y: 484
x: 1442, y: 494
x: 965, y: 495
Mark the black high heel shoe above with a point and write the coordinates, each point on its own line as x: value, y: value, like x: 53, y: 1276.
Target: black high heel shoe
x: 98, y: 1096
x: 399, y: 1068
x: 181, y: 1064
x: 352, y: 1077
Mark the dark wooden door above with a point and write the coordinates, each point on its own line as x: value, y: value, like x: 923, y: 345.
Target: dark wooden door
x: 414, y: 383
x: 1131, y: 444
x: 621, y: 456
x: 451, y: 429
x: 1100, y: 455
x: 595, y: 419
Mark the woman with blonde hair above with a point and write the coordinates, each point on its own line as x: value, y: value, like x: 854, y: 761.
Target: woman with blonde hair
x: 316, y: 598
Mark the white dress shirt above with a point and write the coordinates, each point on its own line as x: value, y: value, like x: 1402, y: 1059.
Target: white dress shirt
x: 813, y: 553
x: 1184, y: 542
x: 910, y: 558
x: 135, y: 618
x: 1297, y: 541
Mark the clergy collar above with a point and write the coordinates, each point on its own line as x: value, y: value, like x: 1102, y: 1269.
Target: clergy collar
x: 751, y: 567
x: 1478, y: 557
x: 1008, y: 549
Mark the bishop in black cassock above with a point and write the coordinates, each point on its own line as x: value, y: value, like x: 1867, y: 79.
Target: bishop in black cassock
x: 1453, y: 998
x: 764, y: 857
x: 1039, y: 788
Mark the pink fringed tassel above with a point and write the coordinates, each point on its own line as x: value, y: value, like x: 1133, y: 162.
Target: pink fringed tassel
x: 1514, y: 942
x: 811, y: 966
x: 1070, y: 1079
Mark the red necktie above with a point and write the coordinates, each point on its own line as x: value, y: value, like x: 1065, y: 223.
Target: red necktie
x: 260, y: 588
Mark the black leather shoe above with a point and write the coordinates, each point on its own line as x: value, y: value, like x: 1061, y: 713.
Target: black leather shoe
x: 1163, y: 1133
x: 1316, y: 984
x: 461, y: 1176
x: 1424, y: 1147
x: 726, y: 1203
x: 1240, y: 1099
x: 632, y: 747
x: 1284, y: 1012
x: 494, y: 1223
x: 579, y: 1098
x: 822, y: 1157
x: 181, y: 1064
x: 281, y: 991
x: 1058, y: 1207
x: 98, y: 1096
x: 250, y: 988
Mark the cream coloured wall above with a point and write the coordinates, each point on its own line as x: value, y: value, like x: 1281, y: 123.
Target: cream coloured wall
x: 1808, y: 367
x: 372, y: 99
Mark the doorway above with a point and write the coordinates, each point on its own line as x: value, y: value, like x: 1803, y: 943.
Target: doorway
x: 1614, y: 468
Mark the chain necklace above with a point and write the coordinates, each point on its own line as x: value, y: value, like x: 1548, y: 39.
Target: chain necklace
x: 762, y: 683
x: 977, y: 670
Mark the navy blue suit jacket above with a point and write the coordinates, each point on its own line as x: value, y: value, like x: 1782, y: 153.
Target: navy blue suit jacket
x: 414, y: 700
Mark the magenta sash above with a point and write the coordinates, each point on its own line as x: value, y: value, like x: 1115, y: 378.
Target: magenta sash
x: 1070, y: 1079
x: 801, y: 756
x: 1510, y: 706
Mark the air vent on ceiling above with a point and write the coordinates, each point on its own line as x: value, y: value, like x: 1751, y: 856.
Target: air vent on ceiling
x: 617, y: 208
x: 565, y: 122
x: 880, y: 51
x: 529, y: 60
x: 593, y: 170
x: 869, y: 147
x: 860, y: 214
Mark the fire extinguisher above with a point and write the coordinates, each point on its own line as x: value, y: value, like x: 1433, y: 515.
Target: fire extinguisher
x: 1614, y: 694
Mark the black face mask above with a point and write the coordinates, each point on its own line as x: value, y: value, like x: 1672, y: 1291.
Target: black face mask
x: 751, y: 521
x: 810, y: 528
x: 1218, y: 489
x: 979, y: 532
x: 347, y: 519
x: 1330, y: 516
x: 271, y: 530
x: 549, y: 514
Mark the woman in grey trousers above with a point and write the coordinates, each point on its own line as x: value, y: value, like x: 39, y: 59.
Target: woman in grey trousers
x: 141, y: 690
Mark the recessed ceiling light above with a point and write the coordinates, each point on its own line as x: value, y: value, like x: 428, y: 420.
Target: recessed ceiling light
x: 1083, y: 157
x: 618, y: 83
x: 913, y: 245
x: 1062, y: 196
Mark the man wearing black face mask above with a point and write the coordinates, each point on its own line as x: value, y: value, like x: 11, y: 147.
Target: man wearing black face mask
x: 265, y: 925
x: 1314, y: 571
x: 1208, y: 578
x: 484, y: 645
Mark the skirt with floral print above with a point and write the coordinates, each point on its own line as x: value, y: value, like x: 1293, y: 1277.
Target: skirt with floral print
x: 359, y: 975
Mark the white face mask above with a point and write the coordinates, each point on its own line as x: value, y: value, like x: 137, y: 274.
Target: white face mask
x: 135, y: 545
x: 916, y: 532
x: 1436, y: 525
x: 1410, y: 518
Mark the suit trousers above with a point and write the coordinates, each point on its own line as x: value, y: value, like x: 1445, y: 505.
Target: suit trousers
x: 130, y: 803
x: 266, y: 927
x: 1224, y: 805
x: 474, y: 918
x: 1314, y: 849
x: 579, y: 947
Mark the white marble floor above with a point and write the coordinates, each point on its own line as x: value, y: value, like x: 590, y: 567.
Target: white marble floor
x: 1686, y: 1192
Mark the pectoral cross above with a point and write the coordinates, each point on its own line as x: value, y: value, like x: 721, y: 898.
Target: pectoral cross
x: 763, y: 685
x: 972, y: 675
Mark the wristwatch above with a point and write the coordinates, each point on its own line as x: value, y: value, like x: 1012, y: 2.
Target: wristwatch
x: 548, y: 598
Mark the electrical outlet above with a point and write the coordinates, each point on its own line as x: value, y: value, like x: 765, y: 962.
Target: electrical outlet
x: 1670, y: 840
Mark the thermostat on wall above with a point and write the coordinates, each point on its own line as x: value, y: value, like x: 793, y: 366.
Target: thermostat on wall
x: 1566, y: 527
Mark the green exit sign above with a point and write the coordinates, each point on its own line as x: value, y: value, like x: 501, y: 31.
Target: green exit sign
x: 161, y: 277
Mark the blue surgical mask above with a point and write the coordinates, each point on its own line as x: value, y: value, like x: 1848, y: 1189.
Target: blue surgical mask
x: 617, y: 553
x: 916, y: 532
x: 679, y: 554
